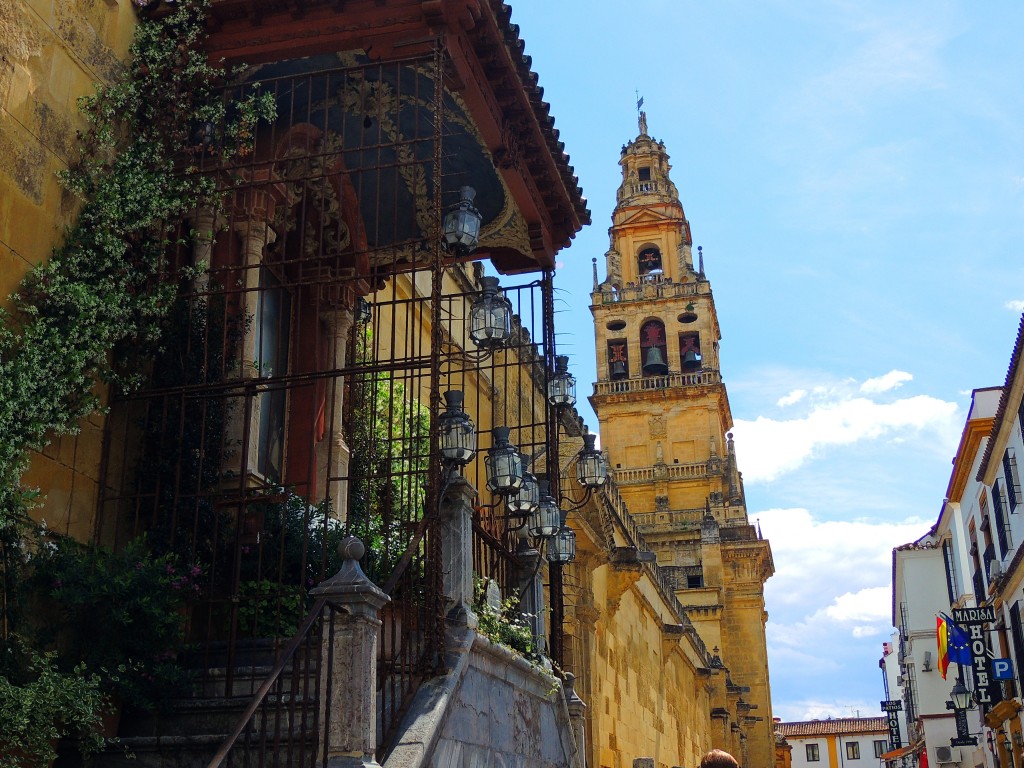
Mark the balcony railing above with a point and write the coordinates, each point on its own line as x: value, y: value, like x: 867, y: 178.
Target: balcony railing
x: 649, y: 289
x: 661, y: 472
x: 648, y: 383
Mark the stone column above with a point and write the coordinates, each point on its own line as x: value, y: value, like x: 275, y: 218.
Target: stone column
x: 530, y: 585
x: 333, y: 454
x: 255, y: 235
x: 456, y: 531
x: 349, y: 685
x: 577, y: 714
x: 205, y: 223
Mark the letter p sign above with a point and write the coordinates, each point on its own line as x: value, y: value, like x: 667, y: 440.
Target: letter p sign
x: 1002, y: 669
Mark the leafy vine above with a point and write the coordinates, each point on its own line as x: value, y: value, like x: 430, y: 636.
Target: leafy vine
x: 76, y: 317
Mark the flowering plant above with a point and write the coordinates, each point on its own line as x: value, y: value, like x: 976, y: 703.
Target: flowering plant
x: 121, y: 613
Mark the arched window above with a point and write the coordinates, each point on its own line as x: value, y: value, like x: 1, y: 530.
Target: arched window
x: 653, y: 350
x: 689, y: 352
x: 618, y: 359
x: 649, y: 260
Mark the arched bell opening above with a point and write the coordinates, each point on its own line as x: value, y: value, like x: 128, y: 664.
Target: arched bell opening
x: 653, y: 350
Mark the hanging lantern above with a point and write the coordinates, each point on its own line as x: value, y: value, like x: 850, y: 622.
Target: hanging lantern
x: 462, y: 224
x: 547, y: 517
x: 504, y: 465
x: 364, y: 311
x: 490, y: 316
x: 523, y: 502
x: 591, y: 468
x: 562, y: 384
x: 562, y: 547
x: 458, y: 435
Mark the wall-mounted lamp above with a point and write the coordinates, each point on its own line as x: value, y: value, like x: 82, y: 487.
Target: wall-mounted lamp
x: 490, y: 316
x: 504, y: 464
x: 562, y: 547
x: 562, y: 384
x: 591, y: 468
x: 462, y: 224
x: 458, y: 435
x: 524, y: 501
x: 546, y: 519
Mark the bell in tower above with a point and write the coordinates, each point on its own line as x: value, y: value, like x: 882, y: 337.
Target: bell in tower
x: 654, y: 362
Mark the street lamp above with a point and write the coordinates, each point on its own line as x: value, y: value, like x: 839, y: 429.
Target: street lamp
x: 504, y: 465
x: 458, y: 435
x: 562, y: 548
x: 490, y: 316
x: 961, y: 696
x: 462, y: 224
x: 591, y: 468
x: 523, y: 502
x: 562, y: 384
x: 546, y: 519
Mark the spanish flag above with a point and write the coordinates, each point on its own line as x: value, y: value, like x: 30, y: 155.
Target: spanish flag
x: 954, y: 645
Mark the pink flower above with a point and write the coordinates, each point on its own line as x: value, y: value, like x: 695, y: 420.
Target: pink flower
x: 170, y: 568
x: 196, y: 570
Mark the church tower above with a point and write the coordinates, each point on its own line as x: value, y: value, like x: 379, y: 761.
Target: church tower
x: 664, y: 423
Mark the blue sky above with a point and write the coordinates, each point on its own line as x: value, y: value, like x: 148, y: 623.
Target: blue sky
x: 854, y: 171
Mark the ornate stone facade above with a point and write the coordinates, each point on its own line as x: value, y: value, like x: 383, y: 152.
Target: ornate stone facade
x: 664, y: 413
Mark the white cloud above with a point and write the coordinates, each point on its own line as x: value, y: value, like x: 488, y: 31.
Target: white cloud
x: 833, y: 571
x: 1015, y: 305
x: 891, y: 380
x: 792, y: 398
x: 814, y: 709
x: 871, y: 604
x: 840, y: 414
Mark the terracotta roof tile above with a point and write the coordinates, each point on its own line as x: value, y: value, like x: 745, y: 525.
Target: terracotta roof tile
x: 838, y: 726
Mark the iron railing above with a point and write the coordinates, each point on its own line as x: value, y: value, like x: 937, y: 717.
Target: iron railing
x: 648, y: 383
x: 274, y: 420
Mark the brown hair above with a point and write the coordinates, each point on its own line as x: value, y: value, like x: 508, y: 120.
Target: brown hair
x: 718, y: 758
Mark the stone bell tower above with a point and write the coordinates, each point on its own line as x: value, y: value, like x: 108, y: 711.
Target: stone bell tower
x: 664, y: 423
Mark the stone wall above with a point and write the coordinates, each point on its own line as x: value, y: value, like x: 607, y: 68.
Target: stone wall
x: 51, y: 53
x: 493, y: 708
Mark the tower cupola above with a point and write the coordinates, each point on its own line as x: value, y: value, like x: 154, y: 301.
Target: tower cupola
x: 645, y: 171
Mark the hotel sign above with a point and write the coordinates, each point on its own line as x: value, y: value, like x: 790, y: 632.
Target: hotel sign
x: 892, y: 709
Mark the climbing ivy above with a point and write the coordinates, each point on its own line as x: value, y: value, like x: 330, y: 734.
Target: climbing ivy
x: 78, y: 318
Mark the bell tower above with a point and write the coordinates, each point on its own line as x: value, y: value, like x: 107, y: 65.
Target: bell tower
x: 665, y: 426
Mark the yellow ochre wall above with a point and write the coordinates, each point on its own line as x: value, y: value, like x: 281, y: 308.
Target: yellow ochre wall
x: 51, y: 53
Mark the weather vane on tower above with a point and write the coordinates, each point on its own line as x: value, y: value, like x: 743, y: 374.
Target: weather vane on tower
x: 642, y: 116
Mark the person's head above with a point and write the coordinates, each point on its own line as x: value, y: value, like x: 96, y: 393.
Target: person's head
x: 718, y: 758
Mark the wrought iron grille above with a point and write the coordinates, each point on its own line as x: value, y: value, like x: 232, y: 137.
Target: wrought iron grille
x: 276, y: 417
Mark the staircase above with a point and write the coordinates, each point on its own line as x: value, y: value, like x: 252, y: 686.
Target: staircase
x: 283, y: 732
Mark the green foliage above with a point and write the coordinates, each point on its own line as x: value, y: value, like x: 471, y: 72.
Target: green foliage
x: 121, y: 614
x: 45, y: 706
x: 269, y: 609
x: 504, y: 625
x: 78, y: 316
x: 390, y: 441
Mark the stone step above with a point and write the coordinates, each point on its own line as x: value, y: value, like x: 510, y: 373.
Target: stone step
x: 196, y: 751
x: 184, y: 717
x: 246, y: 681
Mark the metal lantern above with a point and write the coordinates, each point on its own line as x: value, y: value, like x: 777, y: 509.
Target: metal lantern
x: 591, y: 469
x: 562, y: 385
x: 523, y: 502
x: 504, y: 464
x: 490, y: 316
x: 364, y: 312
x: 961, y: 696
x: 458, y: 435
x: 562, y: 547
x: 546, y: 519
x: 462, y: 224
